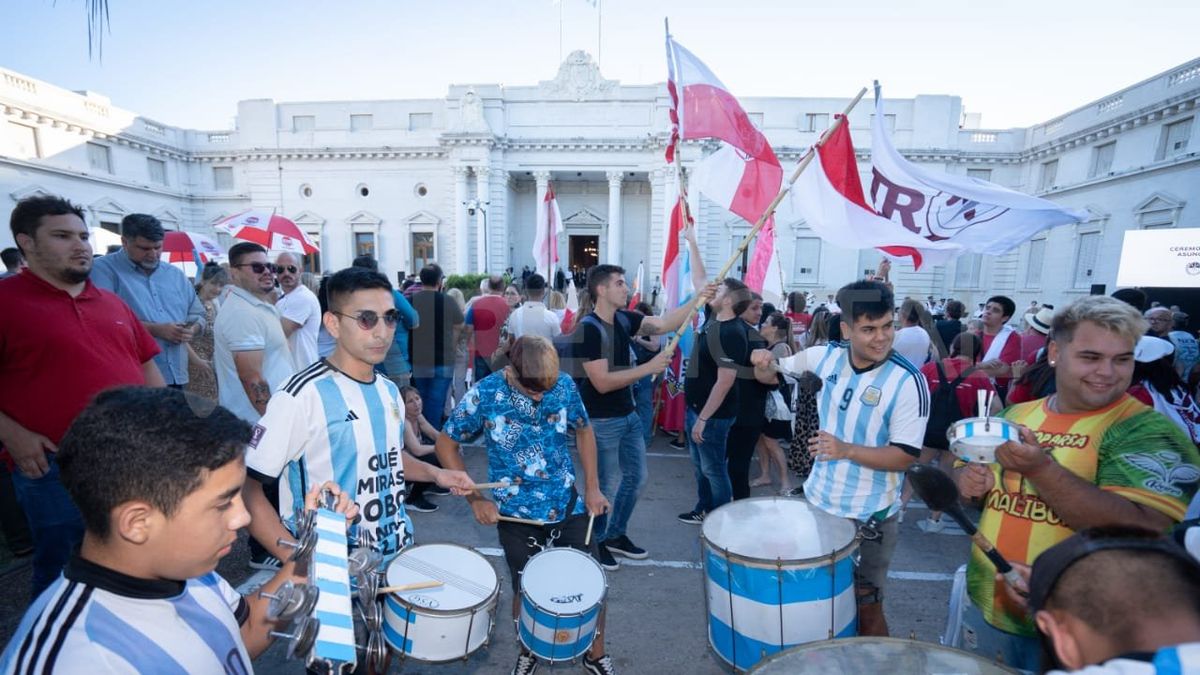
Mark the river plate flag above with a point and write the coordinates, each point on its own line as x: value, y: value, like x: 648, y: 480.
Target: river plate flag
x: 975, y: 215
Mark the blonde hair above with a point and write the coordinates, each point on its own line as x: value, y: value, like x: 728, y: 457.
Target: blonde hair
x: 534, y: 361
x: 1108, y: 313
x: 458, y: 297
x: 556, y: 301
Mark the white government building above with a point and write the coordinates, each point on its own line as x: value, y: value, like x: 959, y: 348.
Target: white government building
x: 457, y: 180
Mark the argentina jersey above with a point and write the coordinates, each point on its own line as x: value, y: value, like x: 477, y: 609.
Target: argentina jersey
x: 887, y: 404
x: 325, y: 426
x: 95, y: 620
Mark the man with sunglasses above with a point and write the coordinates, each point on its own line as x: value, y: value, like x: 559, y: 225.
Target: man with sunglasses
x: 300, y: 309
x: 526, y: 412
x: 338, y: 420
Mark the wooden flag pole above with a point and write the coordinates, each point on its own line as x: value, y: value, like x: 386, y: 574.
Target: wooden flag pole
x: 762, y: 220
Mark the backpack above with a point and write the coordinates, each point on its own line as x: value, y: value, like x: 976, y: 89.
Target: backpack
x: 567, y: 345
x: 944, y: 408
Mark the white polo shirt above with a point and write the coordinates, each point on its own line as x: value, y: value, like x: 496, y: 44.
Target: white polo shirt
x: 301, y: 306
x: 247, y: 323
x: 533, y: 318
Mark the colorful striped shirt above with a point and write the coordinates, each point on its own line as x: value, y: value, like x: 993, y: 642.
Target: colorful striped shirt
x: 885, y: 404
x: 1124, y: 448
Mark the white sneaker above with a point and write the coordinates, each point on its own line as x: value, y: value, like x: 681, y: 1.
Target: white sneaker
x: 931, y: 526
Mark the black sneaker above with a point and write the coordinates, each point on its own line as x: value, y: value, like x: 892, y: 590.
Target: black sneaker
x: 526, y: 664
x: 677, y: 444
x: 691, y: 517
x: 420, y: 505
x: 437, y: 491
x: 601, y: 666
x: 625, y: 547
x: 265, y: 561
x: 606, y: 559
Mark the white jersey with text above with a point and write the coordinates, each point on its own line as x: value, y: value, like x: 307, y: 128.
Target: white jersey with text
x: 95, y: 620
x: 886, y: 404
x: 323, y: 425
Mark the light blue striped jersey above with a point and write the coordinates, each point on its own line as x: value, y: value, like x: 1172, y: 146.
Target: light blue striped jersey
x: 322, y: 425
x: 95, y: 620
x: 887, y: 404
x: 1181, y: 659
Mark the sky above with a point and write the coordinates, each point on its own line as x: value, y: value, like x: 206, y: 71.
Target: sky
x: 188, y: 62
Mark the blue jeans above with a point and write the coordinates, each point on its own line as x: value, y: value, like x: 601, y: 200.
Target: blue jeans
x: 979, y: 636
x: 620, y: 452
x: 713, y: 488
x: 434, y: 384
x: 54, y: 521
x: 643, y: 398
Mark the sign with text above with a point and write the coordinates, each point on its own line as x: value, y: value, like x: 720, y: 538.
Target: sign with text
x: 1161, y: 258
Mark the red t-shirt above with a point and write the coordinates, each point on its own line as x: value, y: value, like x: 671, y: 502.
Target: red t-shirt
x: 1010, y: 353
x: 1030, y: 344
x: 487, y: 315
x: 967, y: 398
x: 57, y: 352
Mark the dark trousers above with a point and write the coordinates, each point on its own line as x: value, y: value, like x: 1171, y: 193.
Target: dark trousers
x: 55, y: 522
x: 12, y: 517
x: 740, y: 450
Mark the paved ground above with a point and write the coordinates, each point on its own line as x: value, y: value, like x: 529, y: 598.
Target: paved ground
x: 656, y: 606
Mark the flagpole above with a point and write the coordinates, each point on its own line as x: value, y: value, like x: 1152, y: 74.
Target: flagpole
x: 762, y: 220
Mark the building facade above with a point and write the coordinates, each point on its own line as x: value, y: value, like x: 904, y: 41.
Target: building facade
x: 458, y: 180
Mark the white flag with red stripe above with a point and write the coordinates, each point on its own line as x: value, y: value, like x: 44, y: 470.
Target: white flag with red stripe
x: 976, y: 215
x: 829, y: 196
x: 743, y: 175
x: 545, y: 243
x: 635, y: 296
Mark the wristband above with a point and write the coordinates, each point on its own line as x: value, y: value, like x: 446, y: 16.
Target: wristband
x: 702, y: 419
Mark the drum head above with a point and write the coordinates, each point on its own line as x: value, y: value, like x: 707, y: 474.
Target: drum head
x: 776, y: 528
x: 563, y: 581
x: 876, y: 655
x: 467, y: 577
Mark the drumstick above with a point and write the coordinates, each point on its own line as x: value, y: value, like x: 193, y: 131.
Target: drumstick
x: 497, y: 484
x: 523, y: 521
x: 587, y: 539
x: 980, y: 397
x: 409, y: 587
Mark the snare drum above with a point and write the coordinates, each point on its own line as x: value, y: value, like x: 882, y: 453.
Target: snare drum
x: 975, y: 439
x: 447, y: 622
x: 778, y: 572
x: 562, y: 593
x: 876, y: 655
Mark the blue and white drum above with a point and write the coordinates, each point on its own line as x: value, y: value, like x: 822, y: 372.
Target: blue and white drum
x: 562, y: 593
x: 975, y: 439
x: 444, y: 623
x: 779, y: 572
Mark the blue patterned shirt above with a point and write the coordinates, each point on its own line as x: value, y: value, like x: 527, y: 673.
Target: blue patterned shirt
x: 526, y: 442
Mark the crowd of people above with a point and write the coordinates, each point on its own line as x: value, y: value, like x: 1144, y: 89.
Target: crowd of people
x: 127, y: 487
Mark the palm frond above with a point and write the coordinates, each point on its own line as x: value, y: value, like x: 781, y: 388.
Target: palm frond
x: 98, y: 24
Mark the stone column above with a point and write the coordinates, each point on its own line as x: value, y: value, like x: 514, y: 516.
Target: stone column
x: 482, y: 192
x: 613, y: 253
x: 542, y: 180
x: 461, y: 249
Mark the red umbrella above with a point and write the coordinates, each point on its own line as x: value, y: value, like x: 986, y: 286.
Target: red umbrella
x: 272, y: 231
x: 186, y: 246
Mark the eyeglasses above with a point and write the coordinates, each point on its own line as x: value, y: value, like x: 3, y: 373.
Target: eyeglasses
x: 368, y: 318
x: 290, y: 269
x: 259, y: 268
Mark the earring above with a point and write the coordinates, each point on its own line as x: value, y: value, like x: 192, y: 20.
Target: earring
x: 1051, y: 364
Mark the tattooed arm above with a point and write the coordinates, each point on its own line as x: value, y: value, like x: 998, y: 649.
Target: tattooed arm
x: 249, y: 369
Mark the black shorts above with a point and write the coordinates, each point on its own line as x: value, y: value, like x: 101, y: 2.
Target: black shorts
x: 779, y: 430
x: 514, y: 539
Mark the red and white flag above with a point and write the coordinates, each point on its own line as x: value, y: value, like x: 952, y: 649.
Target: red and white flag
x: 568, y: 319
x: 828, y: 195
x: 636, y: 295
x: 545, y: 243
x: 976, y: 215
x: 743, y: 175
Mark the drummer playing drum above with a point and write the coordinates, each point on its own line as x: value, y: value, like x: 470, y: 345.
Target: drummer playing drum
x: 873, y: 408
x: 525, y: 413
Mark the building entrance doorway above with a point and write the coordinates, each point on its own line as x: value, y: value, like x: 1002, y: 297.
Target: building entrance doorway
x: 583, y: 253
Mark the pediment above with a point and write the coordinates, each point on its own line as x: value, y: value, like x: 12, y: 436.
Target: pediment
x: 1159, y: 201
x: 167, y: 217
x: 30, y: 191
x: 422, y: 217
x: 583, y: 217
x: 108, y: 206
x: 308, y: 218
x: 364, y: 218
x: 578, y: 79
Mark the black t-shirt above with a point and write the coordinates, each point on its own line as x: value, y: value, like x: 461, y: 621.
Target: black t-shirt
x: 948, y: 329
x: 613, y: 345
x: 719, y: 344
x: 752, y: 394
x: 433, y: 338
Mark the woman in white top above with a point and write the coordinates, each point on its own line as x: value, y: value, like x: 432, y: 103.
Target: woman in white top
x: 912, y: 340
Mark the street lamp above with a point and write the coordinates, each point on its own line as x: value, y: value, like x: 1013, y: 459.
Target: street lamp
x: 473, y: 206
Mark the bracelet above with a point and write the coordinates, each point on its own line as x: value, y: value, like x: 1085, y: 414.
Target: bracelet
x: 702, y: 419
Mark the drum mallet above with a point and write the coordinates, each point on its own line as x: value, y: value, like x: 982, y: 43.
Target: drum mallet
x: 939, y: 493
x: 523, y: 521
x: 416, y: 585
x: 503, y: 483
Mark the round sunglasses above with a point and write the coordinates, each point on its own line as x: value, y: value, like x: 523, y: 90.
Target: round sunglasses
x: 369, y: 318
